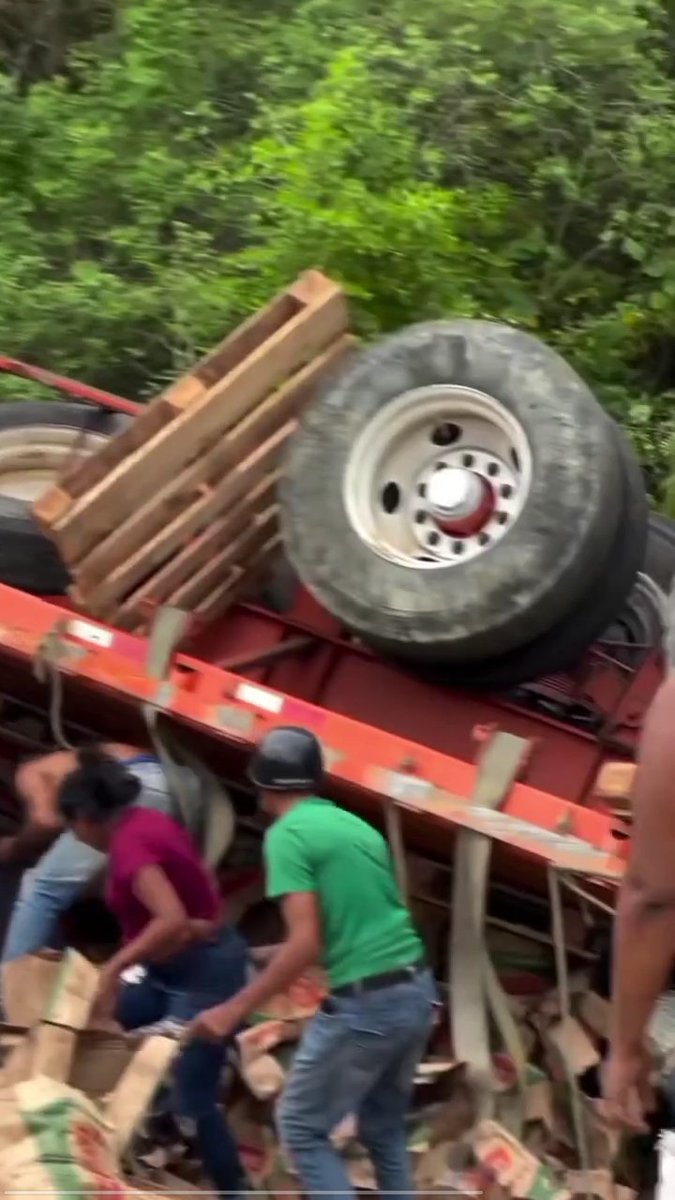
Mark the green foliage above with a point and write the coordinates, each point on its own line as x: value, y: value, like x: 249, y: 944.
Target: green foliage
x: 165, y: 169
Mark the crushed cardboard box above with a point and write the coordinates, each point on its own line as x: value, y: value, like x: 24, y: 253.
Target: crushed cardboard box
x: 528, y: 1150
x: 54, y: 1139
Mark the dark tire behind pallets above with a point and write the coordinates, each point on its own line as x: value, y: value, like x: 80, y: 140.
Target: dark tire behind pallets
x: 534, y: 591
x: 54, y: 431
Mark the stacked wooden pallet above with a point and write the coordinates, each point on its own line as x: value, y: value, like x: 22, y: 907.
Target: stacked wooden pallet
x: 180, y: 508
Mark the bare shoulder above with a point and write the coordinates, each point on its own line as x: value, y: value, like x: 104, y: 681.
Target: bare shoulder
x: 121, y: 750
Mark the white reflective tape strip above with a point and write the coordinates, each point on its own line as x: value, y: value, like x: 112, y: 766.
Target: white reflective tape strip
x: 95, y: 634
x: 513, y: 826
x: 407, y: 787
x: 259, y: 697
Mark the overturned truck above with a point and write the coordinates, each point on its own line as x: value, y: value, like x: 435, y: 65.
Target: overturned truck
x: 435, y: 552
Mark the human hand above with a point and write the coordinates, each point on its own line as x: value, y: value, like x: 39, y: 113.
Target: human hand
x: 214, y: 1024
x: 626, y: 1089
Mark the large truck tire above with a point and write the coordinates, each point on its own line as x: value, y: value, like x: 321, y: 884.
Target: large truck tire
x: 455, y: 494
x: 37, y: 441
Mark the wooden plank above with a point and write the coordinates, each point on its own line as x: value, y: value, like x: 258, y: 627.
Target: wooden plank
x: 182, y: 441
x: 152, y: 556
x: 239, y: 585
x: 173, y: 503
x: 243, y: 340
x: 194, y: 590
x: 220, y: 573
x: 52, y: 507
x: 193, y: 556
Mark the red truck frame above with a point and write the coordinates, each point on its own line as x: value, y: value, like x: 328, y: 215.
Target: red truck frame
x: 388, y: 737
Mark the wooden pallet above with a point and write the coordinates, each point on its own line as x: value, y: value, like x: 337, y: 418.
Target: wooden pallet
x: 180, y: 508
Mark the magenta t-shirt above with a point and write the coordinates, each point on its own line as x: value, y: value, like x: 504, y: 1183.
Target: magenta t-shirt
x: 143, y: 838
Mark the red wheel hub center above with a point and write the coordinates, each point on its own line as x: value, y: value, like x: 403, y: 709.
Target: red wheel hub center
x: 461, y: 502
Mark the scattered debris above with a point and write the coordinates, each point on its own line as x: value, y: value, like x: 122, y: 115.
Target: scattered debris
x: 104, y: 1081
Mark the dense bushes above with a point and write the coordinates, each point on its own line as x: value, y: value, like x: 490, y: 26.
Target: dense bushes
x: 165, y: 169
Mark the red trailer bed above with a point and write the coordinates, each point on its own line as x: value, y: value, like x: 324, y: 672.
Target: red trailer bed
x: 387, y: 737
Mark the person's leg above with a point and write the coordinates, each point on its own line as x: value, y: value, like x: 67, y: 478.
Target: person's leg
x: 382, y: 1111
x: 381, y: 1120
x: 201, y: 978
x: 345, y: 1054
x: 140, y: 1004
x: 196, y: 1082
x: 316, y: 1097
x: 52, y: 885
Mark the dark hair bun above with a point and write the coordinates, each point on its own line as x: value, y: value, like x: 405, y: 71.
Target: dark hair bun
x: 98, y: 788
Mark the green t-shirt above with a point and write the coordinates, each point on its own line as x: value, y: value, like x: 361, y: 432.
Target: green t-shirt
x: 366, y: 929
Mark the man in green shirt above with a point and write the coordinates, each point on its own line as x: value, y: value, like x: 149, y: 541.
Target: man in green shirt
x: 334, y: 877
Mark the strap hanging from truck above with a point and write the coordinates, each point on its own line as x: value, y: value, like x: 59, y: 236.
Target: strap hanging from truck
x: 208, y: 814
x: 475, y: 989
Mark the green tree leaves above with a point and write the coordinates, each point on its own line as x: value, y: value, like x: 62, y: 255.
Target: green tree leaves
x: 165, y: 170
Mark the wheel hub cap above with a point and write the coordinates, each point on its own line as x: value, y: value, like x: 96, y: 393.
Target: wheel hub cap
x: 437, y: 477
x: 460, y: 501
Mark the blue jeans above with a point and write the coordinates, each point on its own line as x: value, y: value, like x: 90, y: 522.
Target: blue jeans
x: 200, y: 977
x: 359, y: 1058
x: 65, y: 871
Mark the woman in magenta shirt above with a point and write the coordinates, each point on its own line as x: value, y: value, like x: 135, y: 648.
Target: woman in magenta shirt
x: 169, y: 912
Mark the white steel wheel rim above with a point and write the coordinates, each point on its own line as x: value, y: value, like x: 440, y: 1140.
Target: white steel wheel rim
x: 34, y: 457
x: 392, y: 476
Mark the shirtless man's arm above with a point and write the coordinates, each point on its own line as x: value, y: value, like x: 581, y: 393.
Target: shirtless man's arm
x: 644, y: 932
x: 36, y: 783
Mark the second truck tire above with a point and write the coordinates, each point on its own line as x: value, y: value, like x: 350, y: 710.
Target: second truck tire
x: 457, y: 493
x: 37, y: 439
